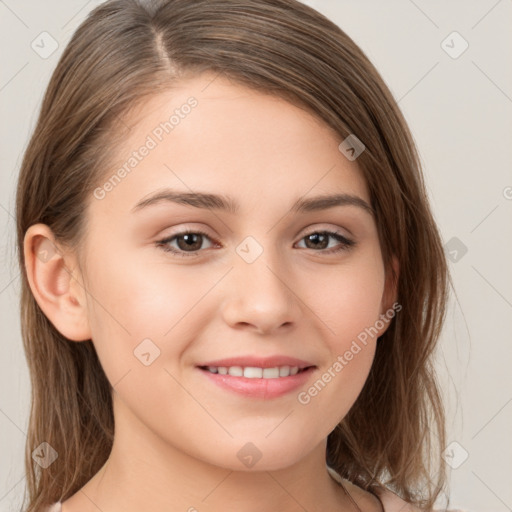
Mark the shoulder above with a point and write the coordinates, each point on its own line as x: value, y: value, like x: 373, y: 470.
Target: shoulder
x: 393, y: 503
x: 365, y: 500
x: 384, y: 500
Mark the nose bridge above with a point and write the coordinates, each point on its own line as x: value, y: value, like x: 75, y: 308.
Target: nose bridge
x: 260, y: 294
x: 262, y: 253
x: 258, y: 265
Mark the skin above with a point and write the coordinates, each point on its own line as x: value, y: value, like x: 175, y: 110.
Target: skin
x: 177, y: 434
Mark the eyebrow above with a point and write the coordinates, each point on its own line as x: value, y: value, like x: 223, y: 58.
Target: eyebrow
x: 229, y: 205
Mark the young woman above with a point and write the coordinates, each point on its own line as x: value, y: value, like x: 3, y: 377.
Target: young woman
x: 233, y: 284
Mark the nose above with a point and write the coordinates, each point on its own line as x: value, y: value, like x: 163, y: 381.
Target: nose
x: 260, y: 296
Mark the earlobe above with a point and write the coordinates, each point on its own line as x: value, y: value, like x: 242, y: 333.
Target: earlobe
x: 54, y: 285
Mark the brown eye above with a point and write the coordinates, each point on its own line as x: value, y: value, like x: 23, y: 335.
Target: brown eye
x: 187, y: 242
x: 190, y: 243
x: 319, y: 240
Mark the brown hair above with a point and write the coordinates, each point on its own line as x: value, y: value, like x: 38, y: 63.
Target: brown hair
x: 128, y: 50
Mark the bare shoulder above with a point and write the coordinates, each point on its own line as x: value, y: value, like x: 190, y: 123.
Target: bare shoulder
x: 365, y: 500
x: 393, y: 503
x: 390, y: 501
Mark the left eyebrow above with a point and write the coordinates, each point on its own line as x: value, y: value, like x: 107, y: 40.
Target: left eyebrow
x: 317, y: 203
x: 228, y: 204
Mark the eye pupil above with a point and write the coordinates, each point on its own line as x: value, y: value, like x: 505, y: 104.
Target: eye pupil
x: 314, y: 237
x: 190, y: 241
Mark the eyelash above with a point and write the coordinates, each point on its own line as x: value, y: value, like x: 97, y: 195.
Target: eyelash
x: 346, y: 244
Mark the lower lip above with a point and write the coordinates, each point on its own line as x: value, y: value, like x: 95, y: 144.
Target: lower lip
x: 260, y: 388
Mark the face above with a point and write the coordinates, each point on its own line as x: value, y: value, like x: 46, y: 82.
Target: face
x: 254, y: 284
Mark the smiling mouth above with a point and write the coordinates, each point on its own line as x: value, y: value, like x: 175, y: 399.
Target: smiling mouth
x: 255, y: 372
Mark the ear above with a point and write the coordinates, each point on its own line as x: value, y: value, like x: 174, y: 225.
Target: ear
x: 389, y: 306
x: 55, y: 283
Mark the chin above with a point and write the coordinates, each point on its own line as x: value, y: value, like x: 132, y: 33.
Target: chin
x: 260, y: 453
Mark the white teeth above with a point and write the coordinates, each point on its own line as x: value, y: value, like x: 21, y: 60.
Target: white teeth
x: 284, y: 371
x: 252, y: 372
x: 271, y: 373
x: 236, y: 371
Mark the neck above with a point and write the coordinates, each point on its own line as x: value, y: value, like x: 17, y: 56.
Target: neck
x: 129, y: 483
x: 145, y: 473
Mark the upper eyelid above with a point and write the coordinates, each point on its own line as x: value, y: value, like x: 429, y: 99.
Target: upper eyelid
x: 342, y: 231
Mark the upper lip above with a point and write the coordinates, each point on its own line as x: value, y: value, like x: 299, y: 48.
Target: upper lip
x: 259, y: 362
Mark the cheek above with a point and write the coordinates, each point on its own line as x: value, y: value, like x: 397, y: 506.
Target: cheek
x: 350, y: 305
x: 350, y: 299
x: 130, y: 303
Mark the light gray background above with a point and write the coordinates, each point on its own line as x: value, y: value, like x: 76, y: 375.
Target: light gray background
x: 460, y: 113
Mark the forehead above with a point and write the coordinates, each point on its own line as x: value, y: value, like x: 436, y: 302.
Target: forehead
x: 211, y: 134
